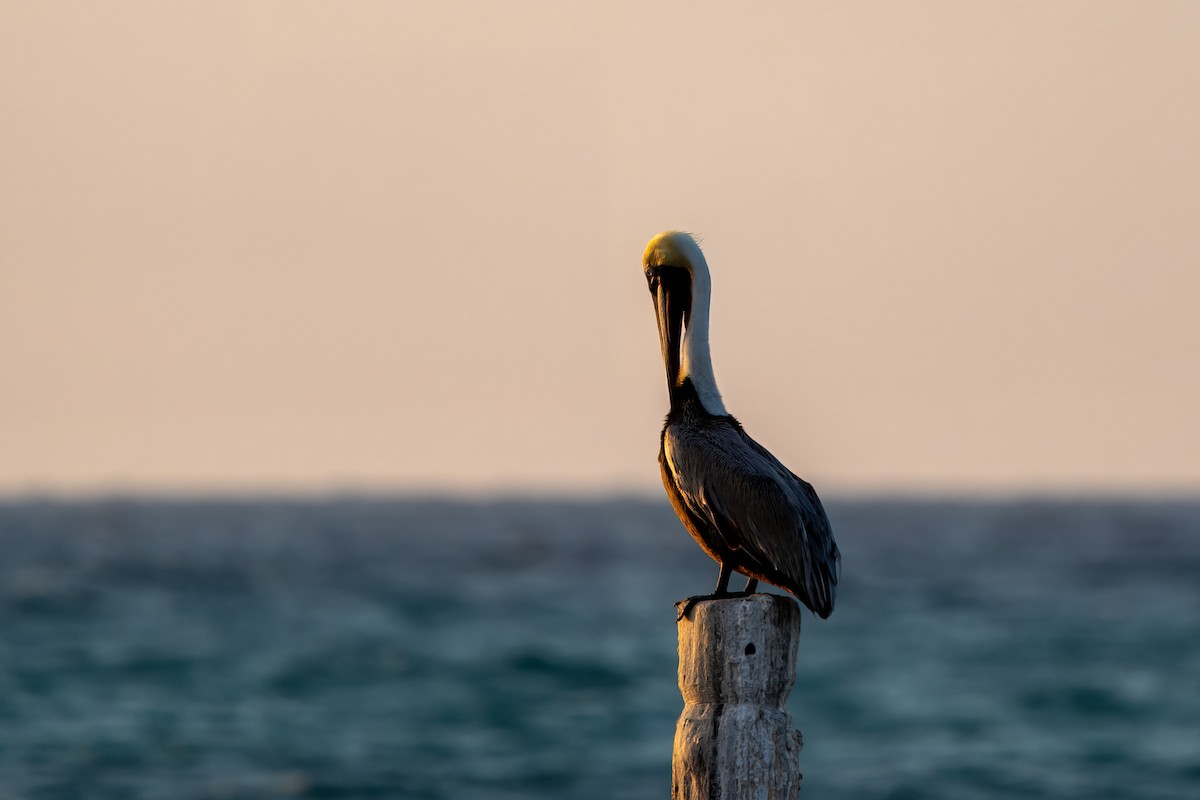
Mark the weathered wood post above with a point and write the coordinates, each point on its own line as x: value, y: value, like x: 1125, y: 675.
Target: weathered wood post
x: 737, y: 663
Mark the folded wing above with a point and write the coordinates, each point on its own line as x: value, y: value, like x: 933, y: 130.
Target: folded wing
x: 769, y: 519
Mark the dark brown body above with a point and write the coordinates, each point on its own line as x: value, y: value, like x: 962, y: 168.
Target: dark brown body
x: 746, y: 510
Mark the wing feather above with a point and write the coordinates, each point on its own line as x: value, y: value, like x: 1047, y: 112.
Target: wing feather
x: 768, y: 517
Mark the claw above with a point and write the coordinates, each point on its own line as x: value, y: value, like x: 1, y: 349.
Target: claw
x: 684, y: 606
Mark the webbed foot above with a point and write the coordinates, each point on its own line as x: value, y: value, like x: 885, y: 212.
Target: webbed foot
x: 684, y: 607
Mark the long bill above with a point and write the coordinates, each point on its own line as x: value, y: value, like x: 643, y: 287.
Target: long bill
x: 671, y: 305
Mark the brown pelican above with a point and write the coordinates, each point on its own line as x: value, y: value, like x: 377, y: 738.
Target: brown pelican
x: 745, y: 509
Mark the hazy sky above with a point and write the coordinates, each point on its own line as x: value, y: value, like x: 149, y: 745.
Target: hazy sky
x: 320, y: 245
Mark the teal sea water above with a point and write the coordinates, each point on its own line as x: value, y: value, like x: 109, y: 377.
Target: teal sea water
x: 372, y: 648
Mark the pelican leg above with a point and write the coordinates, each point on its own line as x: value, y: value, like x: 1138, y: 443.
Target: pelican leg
x: 722, y: 591
x: 751, y: 586
x: 723, y: 580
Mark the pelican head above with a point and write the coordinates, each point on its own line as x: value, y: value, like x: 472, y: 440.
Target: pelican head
x: 679, y: 282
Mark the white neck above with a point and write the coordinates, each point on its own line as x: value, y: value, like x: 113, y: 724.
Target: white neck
x: 697, y: 360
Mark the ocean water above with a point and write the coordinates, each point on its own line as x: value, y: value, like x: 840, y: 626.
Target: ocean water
x: 407, y: 648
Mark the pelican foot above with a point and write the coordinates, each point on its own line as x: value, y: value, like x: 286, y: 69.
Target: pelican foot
x: 684, y: 607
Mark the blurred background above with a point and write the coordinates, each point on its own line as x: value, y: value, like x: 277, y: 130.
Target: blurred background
x: 331, y: 390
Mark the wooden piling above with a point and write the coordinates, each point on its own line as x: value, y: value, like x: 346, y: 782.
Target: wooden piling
x: 737, y: 663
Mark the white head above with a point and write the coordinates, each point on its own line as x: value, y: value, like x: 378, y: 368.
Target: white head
x: 679, y: 280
